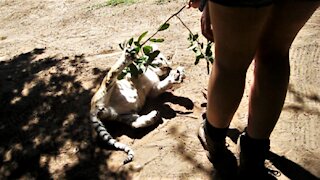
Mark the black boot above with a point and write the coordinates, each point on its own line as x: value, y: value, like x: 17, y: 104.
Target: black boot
x: 253, y: 153
x: 213, y: 140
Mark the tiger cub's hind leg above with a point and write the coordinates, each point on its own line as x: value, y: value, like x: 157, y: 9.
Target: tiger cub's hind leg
x: 140, y: 121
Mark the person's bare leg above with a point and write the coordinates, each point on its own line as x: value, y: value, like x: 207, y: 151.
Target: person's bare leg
x: 272, y: 65
x: 236, y: 34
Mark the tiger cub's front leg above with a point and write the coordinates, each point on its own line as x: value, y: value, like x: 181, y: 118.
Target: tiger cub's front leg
x: 175, y: 77
x: 137, y: 121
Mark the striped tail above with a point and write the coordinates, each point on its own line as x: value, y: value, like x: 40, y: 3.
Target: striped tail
x: 103, y: 133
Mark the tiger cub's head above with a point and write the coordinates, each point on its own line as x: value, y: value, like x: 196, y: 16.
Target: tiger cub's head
x: 160, y: 65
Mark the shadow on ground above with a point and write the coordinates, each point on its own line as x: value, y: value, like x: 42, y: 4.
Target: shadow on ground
x: 44, y: 115
x: 45, y: 126
x: 189, y: 155
x: 287, y: 167
x: 301, y: 100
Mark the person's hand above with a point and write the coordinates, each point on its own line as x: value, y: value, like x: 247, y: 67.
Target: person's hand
x: 206, y: 27
x: 194, y: 3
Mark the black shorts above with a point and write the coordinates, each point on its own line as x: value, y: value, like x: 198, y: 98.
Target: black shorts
x: 243, y: 3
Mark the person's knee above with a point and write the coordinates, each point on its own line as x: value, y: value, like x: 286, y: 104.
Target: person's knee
x: 274, y: 60
x: 234, y: 61
x: 230, y: 69
x: 272, y: 65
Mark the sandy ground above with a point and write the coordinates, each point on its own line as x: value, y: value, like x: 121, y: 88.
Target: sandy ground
x: 53, y: 54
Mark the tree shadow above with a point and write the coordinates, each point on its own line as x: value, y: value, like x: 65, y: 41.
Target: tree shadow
x: 188, y: 156
x: 44, y: 120
x: 301, y: 99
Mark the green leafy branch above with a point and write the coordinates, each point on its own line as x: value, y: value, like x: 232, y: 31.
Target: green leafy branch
x: 145, y: 54
x: 198, y: 47
x: 165, y: 25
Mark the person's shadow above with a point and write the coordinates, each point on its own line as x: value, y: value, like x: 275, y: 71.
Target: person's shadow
x: 287, y: 167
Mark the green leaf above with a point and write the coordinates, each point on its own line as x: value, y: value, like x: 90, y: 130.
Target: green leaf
x: 195, y: 37
x: 190, y: 37
x: 147, y: 50
x: 164, y: 27
x: 120, y: 45
x: 208, y: 53
x: 195, y: 49
x: 134, y: 70
x: 144, y: 58
x: 201, y: 45
x: 123, y: 45
x: 198, y: 57
x: 122, y: 75
x: 137, y: 43
x: 211, y: 59
x: 140, y: 60
x: 137, y: 49
x: 154, y: 65
x: 197, y: 60
x: 157, y: 40
x: 130, y: 41
x: 142, y: 36
x: 198, y: 52
x: 208, y: 49
x: 152, y: 56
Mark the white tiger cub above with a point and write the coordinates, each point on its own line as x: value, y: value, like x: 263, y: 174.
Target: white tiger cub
x: 121, y: 100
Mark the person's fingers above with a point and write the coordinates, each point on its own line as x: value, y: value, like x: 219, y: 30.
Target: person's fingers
x: 206, y: 25
x: 207, y: 32
x: 194, y: 3
x: 208, y: 35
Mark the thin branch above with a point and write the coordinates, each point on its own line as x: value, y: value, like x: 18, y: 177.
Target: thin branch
x: 189, y: 30
x: 199, y: 44
x: 185, y: 25
x: 173, y: 15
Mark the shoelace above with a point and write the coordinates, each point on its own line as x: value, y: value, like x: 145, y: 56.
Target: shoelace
x: 273, y: 172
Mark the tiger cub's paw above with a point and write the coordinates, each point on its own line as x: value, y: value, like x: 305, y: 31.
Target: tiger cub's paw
x: 177, y: 75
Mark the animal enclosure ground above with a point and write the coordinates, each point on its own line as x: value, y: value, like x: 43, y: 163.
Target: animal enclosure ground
x: 53, y: 54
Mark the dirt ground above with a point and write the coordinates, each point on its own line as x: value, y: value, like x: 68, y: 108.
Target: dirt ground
x: 53, y: 55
